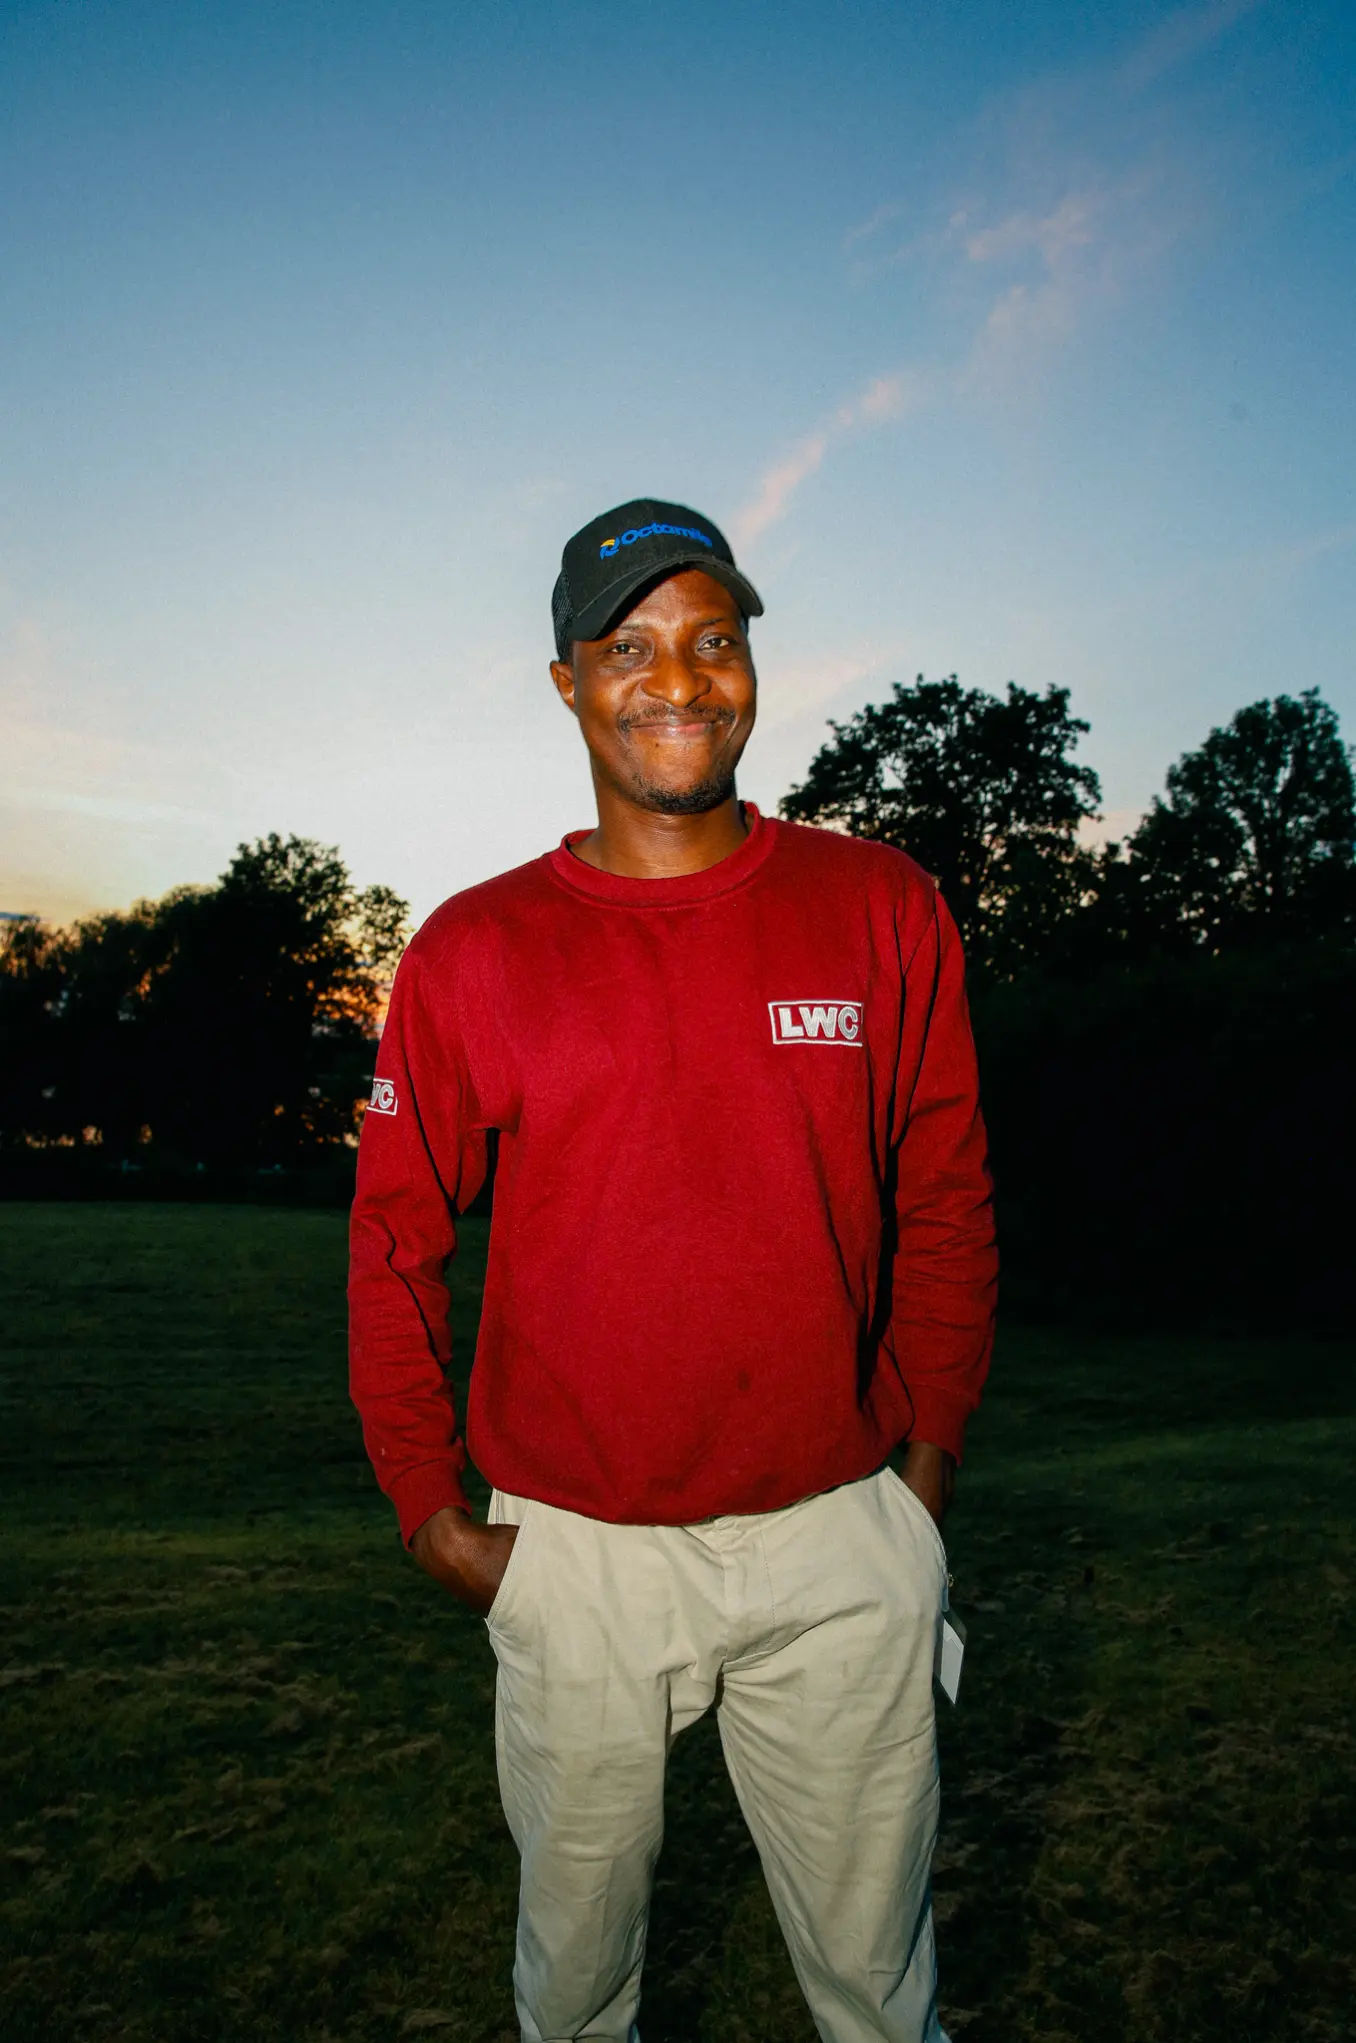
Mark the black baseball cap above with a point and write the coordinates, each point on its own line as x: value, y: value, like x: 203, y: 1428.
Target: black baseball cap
x: 614, y: 556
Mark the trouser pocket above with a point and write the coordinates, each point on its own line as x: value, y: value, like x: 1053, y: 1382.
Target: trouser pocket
x: 522, y: 1512
x: 918, y: 1511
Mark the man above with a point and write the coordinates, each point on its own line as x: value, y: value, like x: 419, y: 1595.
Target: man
x: 741, y: 1251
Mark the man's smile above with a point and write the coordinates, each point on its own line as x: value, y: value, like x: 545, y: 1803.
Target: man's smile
x: 692, y: 727
x: 677, y: 726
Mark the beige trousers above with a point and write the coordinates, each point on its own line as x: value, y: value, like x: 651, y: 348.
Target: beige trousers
x: 813, y: 1631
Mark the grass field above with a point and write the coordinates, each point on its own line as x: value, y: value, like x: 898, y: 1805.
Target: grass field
x: 246, y: 1773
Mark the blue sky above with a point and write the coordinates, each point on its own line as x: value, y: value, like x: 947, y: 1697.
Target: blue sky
x: 1009, y: 341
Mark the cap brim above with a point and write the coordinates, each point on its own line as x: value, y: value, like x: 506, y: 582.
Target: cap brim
x: 595, y: 617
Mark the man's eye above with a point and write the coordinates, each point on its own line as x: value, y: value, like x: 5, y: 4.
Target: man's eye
x: 622, y: 645
x: 717, y: 638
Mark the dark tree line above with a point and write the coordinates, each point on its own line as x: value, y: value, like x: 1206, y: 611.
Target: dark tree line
x: 1252, y: 843
x: 221, y: 1025
x: 1164, y: 1024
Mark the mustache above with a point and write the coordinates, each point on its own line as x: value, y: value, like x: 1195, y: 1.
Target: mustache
x: 677, y: 716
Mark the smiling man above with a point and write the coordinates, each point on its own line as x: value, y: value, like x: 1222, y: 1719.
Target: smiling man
x: 741, y: 1252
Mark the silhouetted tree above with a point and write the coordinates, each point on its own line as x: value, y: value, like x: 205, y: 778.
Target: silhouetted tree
x: 981, y: 790
x: 258, y: 1023
x: 30, y: 990
x: 1162, y: 1025
x: 1173, y: 1132
x: 233, y: 1022
x: 108, y: 964
x: 1254, y: 840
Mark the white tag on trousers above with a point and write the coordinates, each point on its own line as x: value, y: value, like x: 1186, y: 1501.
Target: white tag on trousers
x: 946, y: 1671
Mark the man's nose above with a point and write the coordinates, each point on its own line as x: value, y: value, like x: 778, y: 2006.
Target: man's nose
x: 671, y: 679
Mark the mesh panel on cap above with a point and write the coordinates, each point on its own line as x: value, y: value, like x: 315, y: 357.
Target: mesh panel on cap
x: 561, y: 608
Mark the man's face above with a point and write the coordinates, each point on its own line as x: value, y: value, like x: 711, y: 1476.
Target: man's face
x: 666, y: 699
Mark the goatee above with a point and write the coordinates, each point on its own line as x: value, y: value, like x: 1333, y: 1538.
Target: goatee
x: 689, y: 801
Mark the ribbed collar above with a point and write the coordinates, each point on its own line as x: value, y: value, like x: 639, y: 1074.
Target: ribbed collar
x: 683, y: 889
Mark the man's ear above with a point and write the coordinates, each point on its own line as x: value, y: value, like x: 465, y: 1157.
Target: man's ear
x: 562, y: 673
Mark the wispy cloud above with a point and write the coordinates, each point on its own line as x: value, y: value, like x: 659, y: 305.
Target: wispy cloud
x: 100, y: 807
x: 49, y: 766
x: 1074, y: 202
x: 884, y: 400
x: 61, y: 766
x: 1042, y: 270
x: 1059, y: 270
x: 1053, y: 236
x: 1279, y: 563
x: 884, y: 216
x: 1180, y: 37
x: 807, y: 684
x: 1338, y: 540
x: 777, y: 486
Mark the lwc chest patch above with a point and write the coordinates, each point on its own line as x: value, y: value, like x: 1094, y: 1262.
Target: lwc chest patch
x: 831, y: 1022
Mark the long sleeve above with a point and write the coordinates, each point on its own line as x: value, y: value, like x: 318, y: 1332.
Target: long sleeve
x: 945, y: 1262
x: 422, y: 1157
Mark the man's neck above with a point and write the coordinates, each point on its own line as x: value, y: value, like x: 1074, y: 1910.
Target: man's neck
x: 642, y: 844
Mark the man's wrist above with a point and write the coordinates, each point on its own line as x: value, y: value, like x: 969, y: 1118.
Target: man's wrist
x: 442, y: 1527
x: 930, y: 1472
x: 929, y: 1451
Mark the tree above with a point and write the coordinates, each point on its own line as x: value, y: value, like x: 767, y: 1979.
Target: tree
x: 981, y: 790
x: 30, y: 989
x: 259, y: 1021
x: 1255, y: 838
x: 108, y: 964
x: 235, y: 1022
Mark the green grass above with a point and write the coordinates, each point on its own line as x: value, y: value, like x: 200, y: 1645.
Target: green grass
x: 246, y: 1777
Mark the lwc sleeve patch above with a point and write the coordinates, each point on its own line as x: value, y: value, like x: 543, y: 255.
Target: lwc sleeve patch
x: 817, y: 1021
x: 383, y: 1100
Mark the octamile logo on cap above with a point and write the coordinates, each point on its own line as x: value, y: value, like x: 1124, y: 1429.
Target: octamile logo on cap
x: 610, y: 546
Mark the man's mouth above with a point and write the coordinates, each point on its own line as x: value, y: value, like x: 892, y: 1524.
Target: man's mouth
x: 677, y: 727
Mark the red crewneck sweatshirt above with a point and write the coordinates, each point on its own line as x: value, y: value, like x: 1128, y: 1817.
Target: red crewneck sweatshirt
x: 742, y: 1241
